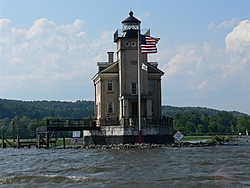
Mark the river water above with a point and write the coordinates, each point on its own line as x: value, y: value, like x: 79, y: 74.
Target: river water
x: 217, y: 166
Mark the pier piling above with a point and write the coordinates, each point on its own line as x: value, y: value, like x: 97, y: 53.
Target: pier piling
x: 38, y: 140
x: 18, y: 142
x: 3, y: 144
x: 47, y: 139
x: 64, y: 145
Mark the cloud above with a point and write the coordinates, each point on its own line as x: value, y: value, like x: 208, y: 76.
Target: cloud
x: 144, y: 16
x: 9, y: 34
x: 186, y: 61
x: 5, y: 25
x: 239, y: 39
x: 238, y: 48
x: 228, y: 24
x: 211, y: 26
x: 207, y: 73
x: 48, y: 54
x: 203, y: 85
x: 225, y: 24
x: 198, y: 62
x: 40, y: 29
x: 50, y: 58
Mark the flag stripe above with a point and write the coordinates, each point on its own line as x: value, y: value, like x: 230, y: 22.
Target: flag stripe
x: 148, y: 44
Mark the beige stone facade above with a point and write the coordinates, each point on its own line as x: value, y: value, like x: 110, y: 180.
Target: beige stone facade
x: 116, y: 84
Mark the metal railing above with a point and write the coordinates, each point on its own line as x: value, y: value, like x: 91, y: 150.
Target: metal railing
x: 119, y: 33
x: 111, y: 121
x: 70, y: 122
x: 127, y: 121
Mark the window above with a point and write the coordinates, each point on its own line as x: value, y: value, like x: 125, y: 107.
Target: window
x: 134, y: 88
x: 127, y: 44
x: 110, y: 85
x: 133, y: 44
x: 110, y: 107
x: 150, y: 85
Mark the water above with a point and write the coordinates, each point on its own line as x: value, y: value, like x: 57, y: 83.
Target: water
x: 219, y: 166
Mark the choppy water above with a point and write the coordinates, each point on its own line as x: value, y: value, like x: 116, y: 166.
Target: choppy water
x: 219, y: 166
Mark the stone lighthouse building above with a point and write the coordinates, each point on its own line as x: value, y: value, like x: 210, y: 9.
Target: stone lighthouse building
x: 124, y: 103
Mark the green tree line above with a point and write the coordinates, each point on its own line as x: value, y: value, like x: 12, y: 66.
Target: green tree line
x: 42, y: 109
x: 23, y: 117
x: 220, y: 123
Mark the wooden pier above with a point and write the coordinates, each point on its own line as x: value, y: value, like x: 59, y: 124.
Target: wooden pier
x: 48, y: 135
x: 18, y: 143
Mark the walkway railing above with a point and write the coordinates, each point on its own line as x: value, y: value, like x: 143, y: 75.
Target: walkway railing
x: 126, y: 121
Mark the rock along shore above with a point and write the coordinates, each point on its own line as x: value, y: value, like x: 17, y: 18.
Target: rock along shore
x: 138, y: 146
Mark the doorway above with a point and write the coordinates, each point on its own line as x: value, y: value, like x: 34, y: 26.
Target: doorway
x: 134, y: 110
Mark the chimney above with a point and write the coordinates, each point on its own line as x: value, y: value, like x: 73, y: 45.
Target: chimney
x: 110, y: 57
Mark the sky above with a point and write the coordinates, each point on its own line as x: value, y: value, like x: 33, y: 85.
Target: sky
x: 49, y: 49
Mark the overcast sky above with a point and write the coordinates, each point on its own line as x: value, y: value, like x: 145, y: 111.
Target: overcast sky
x: 49, y: 49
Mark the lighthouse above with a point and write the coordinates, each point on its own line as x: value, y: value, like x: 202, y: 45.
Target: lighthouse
x: 128, y: 91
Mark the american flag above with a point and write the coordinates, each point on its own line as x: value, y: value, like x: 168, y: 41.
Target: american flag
x: 148, y: 44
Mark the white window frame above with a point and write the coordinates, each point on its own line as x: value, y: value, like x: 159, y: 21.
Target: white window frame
x: 134, y: 90
x: 110, y: 107
x: 110, y: 84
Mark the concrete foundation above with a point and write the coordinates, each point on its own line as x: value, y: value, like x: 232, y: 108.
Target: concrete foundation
x: 119, y: 134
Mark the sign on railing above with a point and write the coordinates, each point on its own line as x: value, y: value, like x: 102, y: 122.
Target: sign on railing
x: 76, y: 134
x: 76, y: 140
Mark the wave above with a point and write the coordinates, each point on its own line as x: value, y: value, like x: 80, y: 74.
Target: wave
x: 45, y: 179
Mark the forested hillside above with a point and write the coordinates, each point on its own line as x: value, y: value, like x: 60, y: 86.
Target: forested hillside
x: 189, y: 120
x: 43, y: 109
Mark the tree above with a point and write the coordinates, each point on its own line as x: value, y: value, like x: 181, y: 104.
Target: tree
x: 190, y: 127
x: 23, y: 131
x: 32, y: 128
x: 201, y: 129
x: 20, y: 117
x: 213, y: 128
x: 243, y: 123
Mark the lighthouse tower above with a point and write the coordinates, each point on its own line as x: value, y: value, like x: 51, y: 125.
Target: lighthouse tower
x: 127, y: 59
x: 128, y: 93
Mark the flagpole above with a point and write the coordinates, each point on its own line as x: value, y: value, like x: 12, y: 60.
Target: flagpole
x: 139, y: 91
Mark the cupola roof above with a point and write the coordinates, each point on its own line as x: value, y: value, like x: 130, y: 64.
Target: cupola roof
x: 131, y: 19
